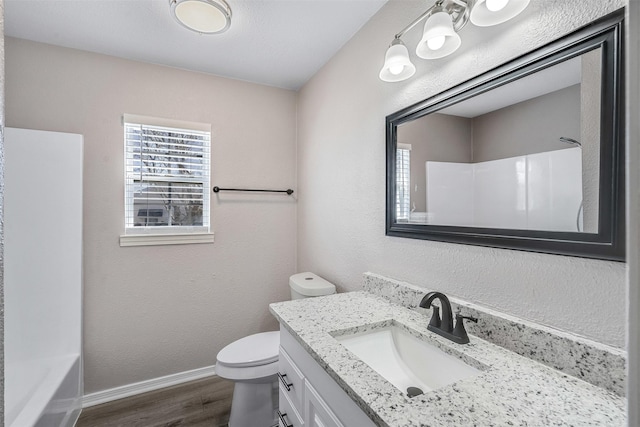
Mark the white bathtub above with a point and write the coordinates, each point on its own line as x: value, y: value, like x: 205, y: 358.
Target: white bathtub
x: 43, y: 392
x: 42, y: 278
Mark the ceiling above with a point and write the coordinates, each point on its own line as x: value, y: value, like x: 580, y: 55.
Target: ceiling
x: 559, y: 76
x: 280, y: 43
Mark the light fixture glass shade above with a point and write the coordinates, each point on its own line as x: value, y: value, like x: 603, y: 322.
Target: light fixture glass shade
x: 483, y: 16
x: 431, y: 46
x: 202, y: 16
x: 397, y: 65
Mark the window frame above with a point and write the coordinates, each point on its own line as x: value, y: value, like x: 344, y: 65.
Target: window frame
x: 403, y: 156
x: 166, y: 235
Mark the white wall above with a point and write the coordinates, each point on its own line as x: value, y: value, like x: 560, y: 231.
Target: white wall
x: 43, y: 261
x: 43, y: 275
x: 154, y: 311
x: 341, y: 164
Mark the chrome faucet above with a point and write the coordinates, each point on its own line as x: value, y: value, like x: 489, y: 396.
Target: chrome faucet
x: 444, y: 327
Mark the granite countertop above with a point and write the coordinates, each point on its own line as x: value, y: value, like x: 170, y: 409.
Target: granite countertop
x: 511, y: 389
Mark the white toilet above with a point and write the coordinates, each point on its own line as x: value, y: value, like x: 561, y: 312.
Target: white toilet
x: 252, y: 362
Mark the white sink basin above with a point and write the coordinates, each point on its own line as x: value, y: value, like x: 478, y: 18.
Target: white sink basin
x: 406, y: 361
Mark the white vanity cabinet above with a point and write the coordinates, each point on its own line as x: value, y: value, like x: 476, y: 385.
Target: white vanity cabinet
x: 291, y: 391
x: 308, y: 395
x: 318, y: 414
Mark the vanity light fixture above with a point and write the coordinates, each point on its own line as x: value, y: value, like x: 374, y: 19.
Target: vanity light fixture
x: 397, y: 65
x: 439, y: 38
x: 440, y: 35
x: 202, y: 16
x: 486, y: 13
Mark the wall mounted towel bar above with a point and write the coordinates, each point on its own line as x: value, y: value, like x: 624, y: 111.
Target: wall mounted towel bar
x: 218, y: 189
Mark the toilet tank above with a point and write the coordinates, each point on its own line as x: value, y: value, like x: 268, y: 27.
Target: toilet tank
x: 306, y: 285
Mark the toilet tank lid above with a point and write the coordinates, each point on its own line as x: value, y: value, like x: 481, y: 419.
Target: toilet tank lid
x: 310, y: 284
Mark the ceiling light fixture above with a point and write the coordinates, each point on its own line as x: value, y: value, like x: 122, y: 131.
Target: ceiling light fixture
x: 440, y: 35
x: 202, y: 16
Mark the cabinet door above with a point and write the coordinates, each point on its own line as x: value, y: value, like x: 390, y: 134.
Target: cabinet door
x: 288, y: 416
x: 291, y: 380
x: 317, y: 412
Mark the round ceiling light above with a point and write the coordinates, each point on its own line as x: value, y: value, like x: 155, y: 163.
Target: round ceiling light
x: 202, y: 16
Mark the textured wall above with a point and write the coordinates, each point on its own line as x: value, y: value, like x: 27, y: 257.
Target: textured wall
x: 157, y: 310
x: 341, y: 177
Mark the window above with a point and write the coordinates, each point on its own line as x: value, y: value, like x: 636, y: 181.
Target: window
x: 167, y: 167
x: 403, y: 180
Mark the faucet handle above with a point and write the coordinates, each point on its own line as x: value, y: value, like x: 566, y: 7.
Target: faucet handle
x: 460, y: 316
x: 459, y: 331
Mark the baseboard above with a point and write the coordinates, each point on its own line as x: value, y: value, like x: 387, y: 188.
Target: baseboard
x: 128, y: 390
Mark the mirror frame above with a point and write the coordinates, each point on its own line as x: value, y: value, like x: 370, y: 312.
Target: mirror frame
x: 609, y: 243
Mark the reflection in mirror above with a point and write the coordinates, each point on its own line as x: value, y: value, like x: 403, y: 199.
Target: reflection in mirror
x: 523, y: 156
x: 527, y: 156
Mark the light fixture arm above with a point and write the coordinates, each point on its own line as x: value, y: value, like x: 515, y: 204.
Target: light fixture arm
x: 440, y: 38
x: 458, y: 9
x: 416, y: 21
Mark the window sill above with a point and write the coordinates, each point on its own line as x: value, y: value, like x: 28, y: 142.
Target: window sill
x: 165, y: 239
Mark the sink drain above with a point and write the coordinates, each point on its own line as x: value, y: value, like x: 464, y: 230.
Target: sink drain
x: 414, y: 391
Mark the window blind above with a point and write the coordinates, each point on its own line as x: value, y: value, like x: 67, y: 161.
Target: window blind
x: 403, y: 178
x: 167, y: 178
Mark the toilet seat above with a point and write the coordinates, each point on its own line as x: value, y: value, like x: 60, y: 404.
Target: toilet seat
x: 254, y: 350
x: 250, y: 358
x: 251, y: 374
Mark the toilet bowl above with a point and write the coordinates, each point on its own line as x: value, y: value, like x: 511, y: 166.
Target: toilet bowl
x: 252, y: 362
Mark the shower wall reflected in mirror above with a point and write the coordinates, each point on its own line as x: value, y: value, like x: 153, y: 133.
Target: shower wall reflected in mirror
x: 509, y: 158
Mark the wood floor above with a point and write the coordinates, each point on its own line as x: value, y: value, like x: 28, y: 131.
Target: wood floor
x: 205, y: 402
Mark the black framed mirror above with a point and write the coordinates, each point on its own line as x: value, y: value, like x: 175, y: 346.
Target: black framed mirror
x: 527, y: 156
